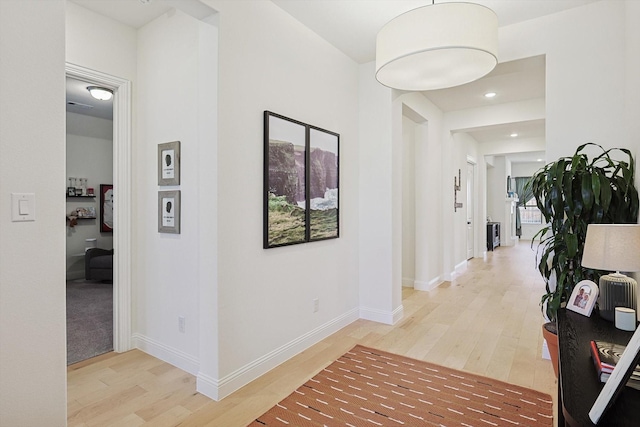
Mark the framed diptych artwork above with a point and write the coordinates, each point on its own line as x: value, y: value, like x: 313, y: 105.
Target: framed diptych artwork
x: 301, y: 182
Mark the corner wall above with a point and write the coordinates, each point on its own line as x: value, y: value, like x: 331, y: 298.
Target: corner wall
x: 270, y: 61
x: 173, y: 106
x: 32, y: 300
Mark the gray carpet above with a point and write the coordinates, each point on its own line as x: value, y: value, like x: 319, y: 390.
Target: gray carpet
x: 89, y: 319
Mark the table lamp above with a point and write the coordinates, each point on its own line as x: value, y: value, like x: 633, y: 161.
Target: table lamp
x: 614, y: 247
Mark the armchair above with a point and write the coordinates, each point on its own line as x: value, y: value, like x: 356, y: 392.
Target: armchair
x: 98, y: 264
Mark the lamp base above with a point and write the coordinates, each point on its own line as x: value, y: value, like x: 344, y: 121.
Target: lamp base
x: 616, y: 290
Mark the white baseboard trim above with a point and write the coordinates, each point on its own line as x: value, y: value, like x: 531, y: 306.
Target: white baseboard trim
x: 461, y: 267
x: 165, y: 353
x: 457, y: 271
x: 427, y: 286
x: 381, y: 316
x: 208, y: 386
x: 407, y: 282
x: 219, y: 389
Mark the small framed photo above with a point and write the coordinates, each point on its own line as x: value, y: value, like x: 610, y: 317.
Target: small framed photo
x: 169, y: 163
x: 106, y: 208
x: 583, y: 297
x: 169, y: 212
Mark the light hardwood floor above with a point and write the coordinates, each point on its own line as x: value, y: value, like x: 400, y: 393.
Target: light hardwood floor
x: 487, y: 321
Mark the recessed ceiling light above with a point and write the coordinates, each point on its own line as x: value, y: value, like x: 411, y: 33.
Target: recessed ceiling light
x: 101, y: 93
x: 513, y: 135
x: 490, y: 94
x: 539, y: 160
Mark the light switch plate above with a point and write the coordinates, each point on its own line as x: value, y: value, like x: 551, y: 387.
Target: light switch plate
x: 23, y: 207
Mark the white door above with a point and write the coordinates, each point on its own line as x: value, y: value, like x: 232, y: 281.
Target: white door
x: 470, y: 210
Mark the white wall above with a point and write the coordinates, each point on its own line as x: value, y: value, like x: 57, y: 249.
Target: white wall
x: 408, y: 201
x: 100, y: 43
x: 269, y: 61
x: 167, y: 265
x: 89, y: 155
x: 428, y: 190
x: 32, y: 286
x: 376, y: 247
x: 525, y: 169
x: 576, y: 57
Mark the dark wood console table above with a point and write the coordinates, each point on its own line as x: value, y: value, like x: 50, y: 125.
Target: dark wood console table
x: 578, y: 383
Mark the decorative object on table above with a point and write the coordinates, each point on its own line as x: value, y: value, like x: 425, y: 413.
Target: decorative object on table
x: 606, y: 356
x: 618, y: 379
x: 571, y: 193
x: 456, y: 188
x: 367, y: 386
x: 169, y: 212
x: 301, y: 182
x: 583, y: 298
x: 614, y: 247
x: 106, y: 208
x: 169, y: 163
x: 625, y: 318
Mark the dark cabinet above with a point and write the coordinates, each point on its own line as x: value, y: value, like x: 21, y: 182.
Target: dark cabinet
x: 493, y: 235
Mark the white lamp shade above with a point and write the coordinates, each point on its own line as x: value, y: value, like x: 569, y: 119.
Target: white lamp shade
x: 612, y: 247
x: 437, y: 46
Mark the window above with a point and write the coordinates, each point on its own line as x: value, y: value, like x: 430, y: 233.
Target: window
x: 529, y: 212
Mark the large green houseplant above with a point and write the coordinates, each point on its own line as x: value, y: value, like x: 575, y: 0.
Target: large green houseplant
x: 571, y: 193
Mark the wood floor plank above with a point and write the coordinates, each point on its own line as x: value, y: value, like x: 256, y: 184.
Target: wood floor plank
x: 487, y: 321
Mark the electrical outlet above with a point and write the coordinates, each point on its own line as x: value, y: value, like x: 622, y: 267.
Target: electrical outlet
x: 316, y: 305
x: 181, y: 322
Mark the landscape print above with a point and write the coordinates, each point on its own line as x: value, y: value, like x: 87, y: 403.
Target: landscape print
x: 323, y: 184
x: 301, y: 182
x: 285, y: 192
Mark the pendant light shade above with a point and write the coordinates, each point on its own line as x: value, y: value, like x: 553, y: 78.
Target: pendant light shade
x: 437, y: 46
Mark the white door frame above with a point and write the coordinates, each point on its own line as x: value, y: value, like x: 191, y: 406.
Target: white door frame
x: 471, y: 207
x: 122, y: 198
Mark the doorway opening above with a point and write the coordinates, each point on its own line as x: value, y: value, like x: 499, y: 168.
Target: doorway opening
x: 121, y: 181
x: 89, y: 233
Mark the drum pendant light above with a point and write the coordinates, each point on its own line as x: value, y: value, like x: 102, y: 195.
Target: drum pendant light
x: 437, y: 46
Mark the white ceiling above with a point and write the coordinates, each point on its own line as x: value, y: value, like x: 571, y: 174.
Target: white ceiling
x: 352, y: 25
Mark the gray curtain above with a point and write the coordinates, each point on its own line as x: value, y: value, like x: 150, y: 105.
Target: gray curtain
x: 523, y: 196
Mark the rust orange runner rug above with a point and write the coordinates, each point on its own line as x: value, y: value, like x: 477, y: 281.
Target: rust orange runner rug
x: 367, y: 388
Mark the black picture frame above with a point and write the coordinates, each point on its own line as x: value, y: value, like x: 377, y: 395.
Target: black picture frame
x: 106, y: 208
x: 301, y: 182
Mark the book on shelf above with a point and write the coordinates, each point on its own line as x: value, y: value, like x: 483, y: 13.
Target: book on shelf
x: 605, y: 356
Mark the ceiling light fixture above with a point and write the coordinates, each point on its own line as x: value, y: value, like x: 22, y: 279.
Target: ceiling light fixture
x: 437, y: 46
x: 490, y: 94
x: 513, y: 135
x: 101, y: 93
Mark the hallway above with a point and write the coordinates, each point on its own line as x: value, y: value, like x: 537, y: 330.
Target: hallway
x: 487, y: 321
